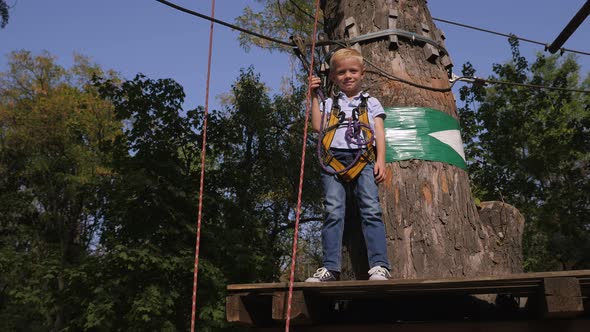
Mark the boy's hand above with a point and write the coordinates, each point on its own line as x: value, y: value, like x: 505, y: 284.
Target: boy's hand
x: 316, y: 116
x: 314, y: 84
x: 379, y: 171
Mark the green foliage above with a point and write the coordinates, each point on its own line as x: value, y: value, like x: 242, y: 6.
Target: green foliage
x: 147, y: 234
x: 257, y: 143
x: 279, y: 19
x: 137, y: 289
x: 99, y: 180
x: 530, y: 148
x: 249, y: 194
x: 50, y: 166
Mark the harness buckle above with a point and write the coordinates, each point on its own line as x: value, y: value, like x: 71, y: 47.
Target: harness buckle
x: 355, y: 114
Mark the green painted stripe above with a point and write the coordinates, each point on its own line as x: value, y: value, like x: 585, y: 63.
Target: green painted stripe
x: 423, y: 133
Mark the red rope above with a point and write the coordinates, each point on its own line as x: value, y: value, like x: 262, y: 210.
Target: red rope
x: 301, y: 172
x: 203, y: 150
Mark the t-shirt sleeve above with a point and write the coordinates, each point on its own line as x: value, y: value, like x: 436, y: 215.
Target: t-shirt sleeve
x: 326, y: 106
x: 375, y: 108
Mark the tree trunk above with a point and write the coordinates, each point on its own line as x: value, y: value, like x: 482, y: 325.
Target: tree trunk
x: 504, y: 226
x: 433, y: 225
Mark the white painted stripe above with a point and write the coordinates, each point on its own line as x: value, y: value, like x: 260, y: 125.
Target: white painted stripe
x: 452, y: 138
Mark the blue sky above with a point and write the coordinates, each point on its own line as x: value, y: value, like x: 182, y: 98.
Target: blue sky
x: 145, y: 36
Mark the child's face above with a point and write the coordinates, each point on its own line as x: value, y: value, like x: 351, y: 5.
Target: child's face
x: 347, y: 74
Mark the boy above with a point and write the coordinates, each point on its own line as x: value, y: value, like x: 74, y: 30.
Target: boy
x: 347, y: 71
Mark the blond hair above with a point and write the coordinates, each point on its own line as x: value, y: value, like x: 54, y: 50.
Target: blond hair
x: 344, y: 53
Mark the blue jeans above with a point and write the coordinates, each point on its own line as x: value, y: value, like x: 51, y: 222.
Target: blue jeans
x: 365, y: 191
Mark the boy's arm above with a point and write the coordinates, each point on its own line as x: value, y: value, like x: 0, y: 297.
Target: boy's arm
x: 379, y: 169
x: 316, y: 115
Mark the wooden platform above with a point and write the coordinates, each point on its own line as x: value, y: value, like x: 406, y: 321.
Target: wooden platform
x: 412, y: 305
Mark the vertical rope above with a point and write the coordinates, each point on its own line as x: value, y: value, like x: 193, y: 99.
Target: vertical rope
x: 203, y: 151
x: 301, y: 172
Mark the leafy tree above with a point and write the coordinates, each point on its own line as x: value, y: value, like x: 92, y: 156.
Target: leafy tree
x: 279, y: 19
x: 530, y: 148
x: 98, y: 192
x: 148, y: 233
x: 148, y: 229
x: 260, y: 145
x: 254, y: 154
x: 51, y: 164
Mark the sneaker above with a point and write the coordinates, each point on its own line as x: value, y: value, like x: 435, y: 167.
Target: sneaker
x: 322, y: 274
x: 379, y: 273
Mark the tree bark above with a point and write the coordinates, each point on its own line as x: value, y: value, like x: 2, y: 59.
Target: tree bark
x: 504, y: 226
x: 433, y: 226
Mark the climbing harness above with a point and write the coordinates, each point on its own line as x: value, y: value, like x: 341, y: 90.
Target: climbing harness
x: 358, y: 135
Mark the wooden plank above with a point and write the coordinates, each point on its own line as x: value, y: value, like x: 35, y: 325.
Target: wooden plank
x: 493, y: 289
x: 300, y: 313
x: 352, y: 31
x: 430, y: 51
x: 583, y: 275
x: 384, y: 289
x: 520, y: 288
x: 563, y: 298
x: 249, y: 309
x: 392, y: 24
x: 236, y: 312
x: 482, y: 326
x: 440, y: 38
x: 550, y: 295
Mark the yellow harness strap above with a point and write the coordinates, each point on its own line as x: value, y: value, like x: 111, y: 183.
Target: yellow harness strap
x: 333, y: 123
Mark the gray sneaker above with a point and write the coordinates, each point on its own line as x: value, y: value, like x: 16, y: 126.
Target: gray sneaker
x: 322, y: 274
x: 379, y: 273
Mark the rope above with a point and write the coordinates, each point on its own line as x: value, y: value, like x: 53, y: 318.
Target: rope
x: 201, y: 186
x: 301, y: 172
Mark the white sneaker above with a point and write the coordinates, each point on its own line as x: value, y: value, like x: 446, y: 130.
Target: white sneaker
x: 322, y: 274
x: 379, y: 273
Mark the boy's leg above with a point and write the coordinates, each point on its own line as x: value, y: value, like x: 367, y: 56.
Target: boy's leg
x: 333, y: 227
x: 366, y: 193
